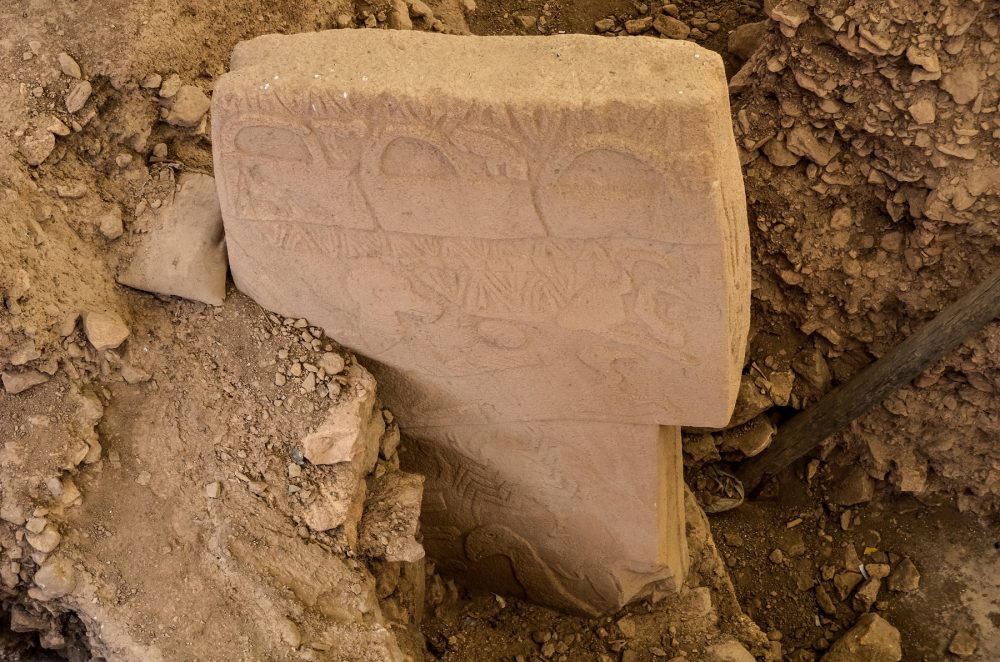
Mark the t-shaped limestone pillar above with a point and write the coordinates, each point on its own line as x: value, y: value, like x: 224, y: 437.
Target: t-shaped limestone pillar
x: 540, y: 244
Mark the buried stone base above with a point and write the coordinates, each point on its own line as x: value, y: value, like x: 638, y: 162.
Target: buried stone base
x: 579, y: 516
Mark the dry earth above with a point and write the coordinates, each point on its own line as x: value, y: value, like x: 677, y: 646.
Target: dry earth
x: 870, y: 135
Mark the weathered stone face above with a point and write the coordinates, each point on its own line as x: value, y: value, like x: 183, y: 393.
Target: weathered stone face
x: 540, y: 243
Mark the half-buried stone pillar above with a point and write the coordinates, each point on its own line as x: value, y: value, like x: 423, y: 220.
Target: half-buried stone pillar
x: 539, y: 245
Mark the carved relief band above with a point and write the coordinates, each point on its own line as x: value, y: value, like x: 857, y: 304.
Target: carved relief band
x: 539, y: 245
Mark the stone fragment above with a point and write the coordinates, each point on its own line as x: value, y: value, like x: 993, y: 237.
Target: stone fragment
x: 45, y: 541
x: 852, y: 485
x: 391, y: 518
x: 962, y: 83
x: 57, y: 127
x: 778, y: 153
x: 744, y: 40
x: 399, y: 16
x: 872, y: 639
x: 748, y: 439
x: 35, y: 147
x: 638, y: 25
x: 332, y: 363
x: 170, y: 86
x: 110, y: 223
x: 55, y: 578
x: 339, y: 501
x: 905, y: 578
x: 802, y: 141
x: 604, y: 25
x: 69, y: 66
x: 866, y: 596
x: 923, y: 111
x: 104, y: 330
x: 963, y: 644
x: 183, y: 253
x: 21, y: 620
x: 188, y: 108
x: 213, y: 489
x: 15, y: 382
x: 483, y: 332
x: 78, y: 95
x: 671, y: 27
x: 151, y: 81
x: 845, y: 582
x: 728, y: 651
x: 353, y: 428
x: 925, y: 58
x: 791, y: 13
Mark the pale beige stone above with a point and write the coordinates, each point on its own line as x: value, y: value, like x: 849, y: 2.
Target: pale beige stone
x: 183, y: 252
x: 544, y: 262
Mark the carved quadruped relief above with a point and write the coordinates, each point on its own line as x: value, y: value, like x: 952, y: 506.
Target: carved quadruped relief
x: 542, y: 263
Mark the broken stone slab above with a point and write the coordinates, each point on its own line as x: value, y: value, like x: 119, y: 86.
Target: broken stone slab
x: 458, y: 228
x: 183, y: 251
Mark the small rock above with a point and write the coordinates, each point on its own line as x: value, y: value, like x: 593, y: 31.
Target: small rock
x: 213, y: 489
x: 604, y: 25
x: 104, y: 330
x: 639, y: 25
x: 745, y: 39
x: 143, y: 478
x: 671, y: 27
x: 963, y: 644
x: 36, y: 147
x: 72, y: 191
x: 57, y: 127
x: 852, y: 485
x: 170, y: 86
x: 905, y: 577
x: 923, y: 111
x: 865, y: 596
x: 109, y: 224
x: 803, y: 141
x: 748, y: 439
x: 68, y: 65
x: 825, y: 602
x: 526, y: 21
x: 627, y: 626
x: 134, y: 375
x: 344, y: 21
x: 751, y: 402
x: 845, y: 582
x: 332, y: 363
x: 151, y: 81
x: 962, y: 83
x: 18, y: 382
x: 872, y: 639
x: 78, y: 95
x: 189, y: 106
x: 46, y: 541
x: 728, y: 651
x: 791, y: 13
x: 289, y: 632
x: 55, y: 579
x: 399, y: 16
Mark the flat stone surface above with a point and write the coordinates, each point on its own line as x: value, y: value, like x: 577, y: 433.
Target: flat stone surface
x: 540, y: 244
x: 182, y: 249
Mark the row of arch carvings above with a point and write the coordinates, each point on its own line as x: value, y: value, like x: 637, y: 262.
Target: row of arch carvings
x: 466, y: 182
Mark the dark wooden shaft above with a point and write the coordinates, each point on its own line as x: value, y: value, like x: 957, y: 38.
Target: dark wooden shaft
x: 839, y: 407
